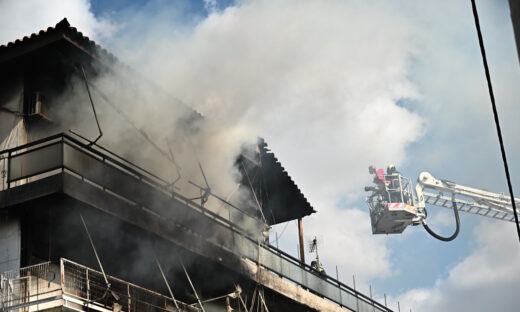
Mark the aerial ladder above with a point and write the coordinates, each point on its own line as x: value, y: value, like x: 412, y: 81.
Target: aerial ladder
x: 394, y: 205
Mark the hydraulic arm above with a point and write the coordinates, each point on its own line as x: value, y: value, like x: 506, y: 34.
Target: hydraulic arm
x: 393, y: 204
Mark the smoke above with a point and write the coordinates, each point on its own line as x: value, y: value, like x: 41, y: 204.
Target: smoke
x: 322, y: 82
x: 319, y: 80
x: 489, y: 266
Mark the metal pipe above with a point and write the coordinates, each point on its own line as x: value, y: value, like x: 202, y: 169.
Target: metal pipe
x: 95, y: 252
x: 242, y: 301
x: 300, y: 236
x: 193, y: 288
x: 339, y: 286
x: 166, y: 282
x: 262, y: 299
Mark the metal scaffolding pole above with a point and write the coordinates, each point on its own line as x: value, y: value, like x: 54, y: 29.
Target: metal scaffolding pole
x: 193, y: 288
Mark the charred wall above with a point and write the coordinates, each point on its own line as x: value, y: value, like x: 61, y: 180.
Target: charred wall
x: 51, y: 228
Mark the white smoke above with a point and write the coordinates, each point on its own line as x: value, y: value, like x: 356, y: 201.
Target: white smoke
x: 491, y: 268
x: 320, y: 81
x: 323, y: 93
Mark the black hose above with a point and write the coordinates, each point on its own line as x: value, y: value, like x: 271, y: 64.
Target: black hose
x: 442, y: 238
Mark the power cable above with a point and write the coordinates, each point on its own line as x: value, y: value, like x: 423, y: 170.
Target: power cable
x: 281, y: 233
x: 143, y: 134
x: 495, y: 114
x: 254, y: 193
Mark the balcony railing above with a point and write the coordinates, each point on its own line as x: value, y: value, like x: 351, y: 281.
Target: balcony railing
x: 106, y: 170
x: 45, y: 286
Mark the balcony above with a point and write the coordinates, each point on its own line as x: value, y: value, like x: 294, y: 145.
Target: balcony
x: 105, y: 181
x: 74, y: 287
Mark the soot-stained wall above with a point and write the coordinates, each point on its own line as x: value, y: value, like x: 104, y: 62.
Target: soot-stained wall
x: 51, y: 228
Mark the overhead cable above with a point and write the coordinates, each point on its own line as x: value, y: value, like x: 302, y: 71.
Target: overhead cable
x: 495, y: 114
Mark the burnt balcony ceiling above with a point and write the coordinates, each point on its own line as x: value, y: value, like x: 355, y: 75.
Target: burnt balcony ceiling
x: 280, y: 198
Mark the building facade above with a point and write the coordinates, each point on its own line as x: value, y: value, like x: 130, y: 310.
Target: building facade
x: 91, y: 219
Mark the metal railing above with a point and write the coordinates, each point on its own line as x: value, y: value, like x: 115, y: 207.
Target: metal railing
x: 21, y: 287
x: 334, y: 289
x: 93, y: 163
x: 89, y: 286
x: 39, y: 287
x: 98, y: 166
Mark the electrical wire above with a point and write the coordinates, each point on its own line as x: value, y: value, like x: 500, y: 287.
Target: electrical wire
x: 254, y: 193
x: 442, y: 238
x: 281, y: 233
x: 495, y: 114
x: 143, y: 134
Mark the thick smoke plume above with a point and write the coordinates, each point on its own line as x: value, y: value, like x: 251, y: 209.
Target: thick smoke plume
x: 147, y: 126
x: 323, y: 82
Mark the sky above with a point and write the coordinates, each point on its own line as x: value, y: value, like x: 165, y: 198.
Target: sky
x: 335, y: 86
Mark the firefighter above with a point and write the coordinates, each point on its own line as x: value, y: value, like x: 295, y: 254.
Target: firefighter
x: 317, y: 267
x: 390, y: 170
x: 395, y: 186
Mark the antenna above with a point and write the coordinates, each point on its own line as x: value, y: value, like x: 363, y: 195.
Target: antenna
x: 143, y: 134
x: 313, y: 248
x: 93, y: 108
x: 205, y: 192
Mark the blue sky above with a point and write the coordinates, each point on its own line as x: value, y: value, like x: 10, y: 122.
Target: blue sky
x: 335, y: 86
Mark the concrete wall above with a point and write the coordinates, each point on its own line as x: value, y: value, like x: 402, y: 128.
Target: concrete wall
x: 11, y: 98
x: 10, y: 243
x: 12, y: 126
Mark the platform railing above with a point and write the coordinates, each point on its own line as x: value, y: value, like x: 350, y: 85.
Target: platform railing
x: 89, y: 285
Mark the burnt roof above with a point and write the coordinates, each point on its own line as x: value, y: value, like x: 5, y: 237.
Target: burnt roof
x: 71, y: 42
x: 62, y: 31
x: 280, y: 197
x: 286, y: 200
